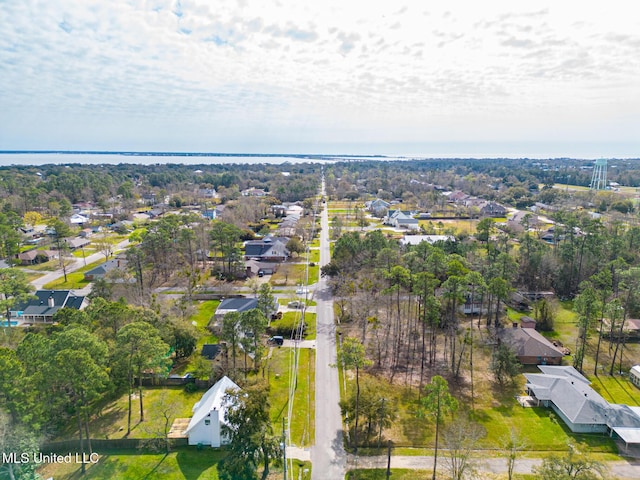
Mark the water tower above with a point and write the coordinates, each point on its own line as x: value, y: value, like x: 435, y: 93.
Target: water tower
x: 599, y: 178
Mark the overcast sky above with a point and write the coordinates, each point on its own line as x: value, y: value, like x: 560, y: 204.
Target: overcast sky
x: 494, y: 77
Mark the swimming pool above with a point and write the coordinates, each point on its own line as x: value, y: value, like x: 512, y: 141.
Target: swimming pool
x: 3, y: 323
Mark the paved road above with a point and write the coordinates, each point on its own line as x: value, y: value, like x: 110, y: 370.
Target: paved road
x: 39, y: 283
x: 327, y: 454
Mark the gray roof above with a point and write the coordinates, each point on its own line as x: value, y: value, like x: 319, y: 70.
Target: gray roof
x: 571, y: 393
x: 103, y: 268
x: 40, y: 305
x: 267, y: 247
x: 77, y: 242
x: 239, y: 304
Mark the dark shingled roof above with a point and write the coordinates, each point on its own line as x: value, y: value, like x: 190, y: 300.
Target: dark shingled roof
x: 40, y: 305
x: 210, y: 351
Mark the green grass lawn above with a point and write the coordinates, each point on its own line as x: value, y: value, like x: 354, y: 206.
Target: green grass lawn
x: 185, y: 463
x: 49, y: 266
x: 74, y: 279
x: 285, y: 301
x: 200, y: 319
x: 111, y: 422
x: 540, y: 429
x: 204, y: 312
x: 80, y: 254
x: 291, y: 320
x: 33, y: 276
x: 294, y: 274
x: 615, y: 389
x: 314, y: 255
x: 302, y: 425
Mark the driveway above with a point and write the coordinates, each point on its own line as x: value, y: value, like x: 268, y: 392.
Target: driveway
x: 77, y: 264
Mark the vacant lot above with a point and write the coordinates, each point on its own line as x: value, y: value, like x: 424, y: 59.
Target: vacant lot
x: 185, y: 463
x: 279, y: 367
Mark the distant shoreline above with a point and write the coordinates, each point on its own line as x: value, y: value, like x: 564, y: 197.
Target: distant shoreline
x: 82, y: 157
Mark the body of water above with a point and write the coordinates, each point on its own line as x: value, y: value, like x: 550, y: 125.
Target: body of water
x: 114, y: 158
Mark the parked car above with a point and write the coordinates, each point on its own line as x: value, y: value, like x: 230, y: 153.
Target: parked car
x: 302, y: 290
x: 295, y: 304
x: 276, y: 340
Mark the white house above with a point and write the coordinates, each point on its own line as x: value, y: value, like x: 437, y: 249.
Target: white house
x: 634, y: 375
x: 208, y: 416
x: 78, y: 219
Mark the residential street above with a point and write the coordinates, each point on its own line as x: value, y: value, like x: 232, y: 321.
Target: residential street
x: 76, y: 265
x: 327, y: 455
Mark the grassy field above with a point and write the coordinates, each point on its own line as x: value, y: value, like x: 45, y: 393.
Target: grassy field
x: 81, y: 254
x: 200, y: 319
x: 49, y: 266
x: 314, y: 255
x: 292, y: 319
x: 74, y: 279
x: 185, y: 463
x: 111, y: 421
x: 615, y: 389
x: 302, y: 425
x: 498, y: 412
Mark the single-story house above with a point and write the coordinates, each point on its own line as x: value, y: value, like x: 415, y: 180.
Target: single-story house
x: 124, y: 226
x: 209, y: 415
x: 492, y: 209
x: 288, y: 226
x: 270, y: 248
x: 530, y: 347
x: 582, y: 409
x: 237, y: 304
x: 46, y: 303
x: 431, y: 239
x: 457, y: 197
x: 101, y: 270
x: 253, y: 192
x: 32, y: 257
x: 256, y: 267
x: 76, y: 243
x: 78, y: 219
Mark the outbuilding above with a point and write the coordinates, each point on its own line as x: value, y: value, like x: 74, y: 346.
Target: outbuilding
x: 634, y: 375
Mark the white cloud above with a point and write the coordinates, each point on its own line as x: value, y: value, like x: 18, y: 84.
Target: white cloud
x: 187, y: 68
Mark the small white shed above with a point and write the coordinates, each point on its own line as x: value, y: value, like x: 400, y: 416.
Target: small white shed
x: 634, y: 375
x: 208, y: 416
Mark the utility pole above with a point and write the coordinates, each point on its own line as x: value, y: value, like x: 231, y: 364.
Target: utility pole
x: 388, y: 459
x: 284, y: 450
